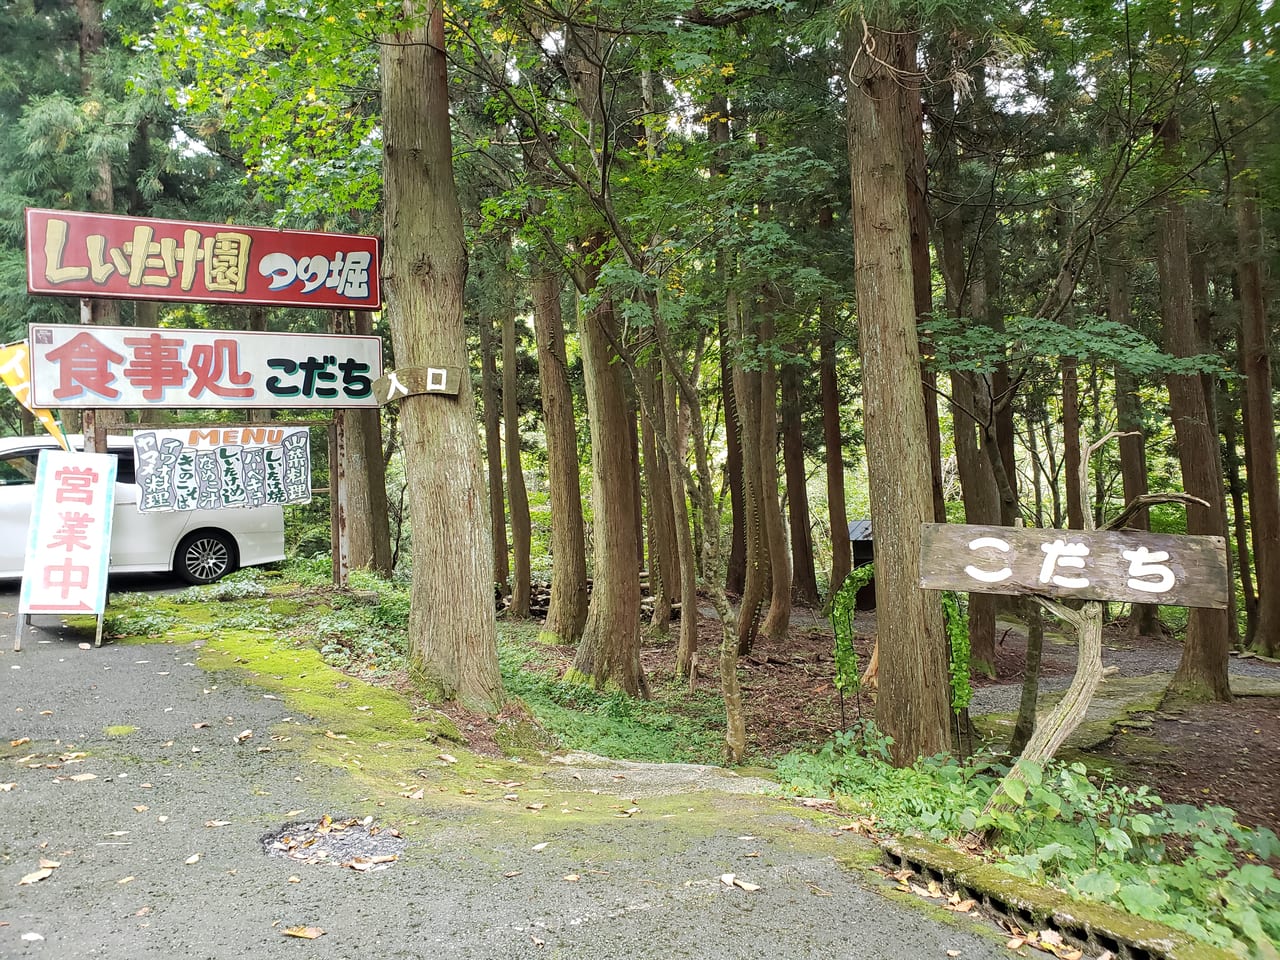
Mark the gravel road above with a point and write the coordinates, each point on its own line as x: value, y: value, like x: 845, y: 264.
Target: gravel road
x: 158, y: 834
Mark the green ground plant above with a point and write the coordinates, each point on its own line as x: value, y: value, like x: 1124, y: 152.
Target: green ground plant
x: 1194, y: 869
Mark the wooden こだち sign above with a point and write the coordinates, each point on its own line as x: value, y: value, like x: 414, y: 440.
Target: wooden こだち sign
x: 1128, y: 565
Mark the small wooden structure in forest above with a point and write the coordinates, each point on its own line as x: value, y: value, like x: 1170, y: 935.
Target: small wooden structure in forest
x: 863, y: 553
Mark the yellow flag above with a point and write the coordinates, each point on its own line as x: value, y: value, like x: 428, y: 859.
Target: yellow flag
x: 15, y: 370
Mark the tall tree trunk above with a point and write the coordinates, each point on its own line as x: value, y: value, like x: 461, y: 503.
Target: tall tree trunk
x: 567, y: 611
x: 913, y: 705
x: 1202, y: 670
x: 778, y: 617
x: 837, y: 513
x: 609, y: 652
x: 452, y: 634
x: 368, y: 526
x: 746, y: 389
x: 493, y: 456
x: 517, y: 495
x: 1260, y: 439
x: 804, y: 582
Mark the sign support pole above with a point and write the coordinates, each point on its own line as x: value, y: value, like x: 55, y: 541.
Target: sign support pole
x: 88, y: 418
x: 340, y: 536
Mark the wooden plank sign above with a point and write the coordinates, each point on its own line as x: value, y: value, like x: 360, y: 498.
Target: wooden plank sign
x: 412, y: 381
x: 1128, y: 565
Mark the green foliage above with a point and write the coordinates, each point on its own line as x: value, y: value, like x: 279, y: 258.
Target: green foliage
x: 843, y: 610
x: 956, y: 620
x: 963, y: 345
x: 671, y: 728
x: 1197, y: 870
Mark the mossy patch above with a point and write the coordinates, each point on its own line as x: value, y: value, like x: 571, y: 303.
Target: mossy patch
x: 120, y: 730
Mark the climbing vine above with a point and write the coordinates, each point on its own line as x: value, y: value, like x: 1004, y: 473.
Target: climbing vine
x: 843, y: 607
x: 957, y: 624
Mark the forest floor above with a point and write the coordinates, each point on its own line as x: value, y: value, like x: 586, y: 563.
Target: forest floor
x: 1219, y: 754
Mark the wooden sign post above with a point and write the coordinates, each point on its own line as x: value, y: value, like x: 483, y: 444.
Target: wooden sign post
x: 1128, y: 565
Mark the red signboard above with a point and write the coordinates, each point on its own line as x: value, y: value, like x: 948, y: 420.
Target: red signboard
x: 135, y: 258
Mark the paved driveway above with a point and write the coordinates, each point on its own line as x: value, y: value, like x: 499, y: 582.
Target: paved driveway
x: 157, y: 824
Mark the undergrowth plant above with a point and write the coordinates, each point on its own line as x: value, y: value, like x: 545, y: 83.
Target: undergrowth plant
x: 1197, y: 870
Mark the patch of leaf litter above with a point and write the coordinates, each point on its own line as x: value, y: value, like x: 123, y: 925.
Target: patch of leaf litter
x: 352, y: 843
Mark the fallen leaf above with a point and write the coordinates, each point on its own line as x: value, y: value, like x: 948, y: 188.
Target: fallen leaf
x: 294, y: 813
x: 953, y: 953
x: 6, y: 787
x: 36, y: 876
x: 727, y: 879
x: 33, y: 937
x: 1052, y: 937
x: 294, y: 880
x: 81, y: 777
x: 334, y: 736
x: 125, y: 880
x: 534, y: 806
x: 447, y: 758
x: 199, y: 726
x: 537, y: 941
x: 964, y: 906
x: 306, y: 933
x: 513, y: 873
x: 49, y: 864
x: 142, y: 911
x: 1014, y: 943
x: 141, y: 808
x: 571, y: 878
x: 243, y: 735
x: 19, y: 742
x: 216, y: 823
x: 194, y: 858
x: 541, y: 846
x: 416, y: 794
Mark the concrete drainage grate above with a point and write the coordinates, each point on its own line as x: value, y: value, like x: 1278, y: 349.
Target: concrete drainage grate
x: 353, y: 843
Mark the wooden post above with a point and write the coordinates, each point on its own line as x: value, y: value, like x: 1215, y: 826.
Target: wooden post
x: 339, y: 538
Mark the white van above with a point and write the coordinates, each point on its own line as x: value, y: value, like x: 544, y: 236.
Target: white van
x: 200, y: 546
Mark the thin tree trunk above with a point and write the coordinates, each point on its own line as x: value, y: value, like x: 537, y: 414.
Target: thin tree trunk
x: 736, y: 569
x: 687, y: 646
x: 778, y: 617
x: 517, y: 496
x: 804, y: 582
x: 746, y: 389
x: 837, y: 513
x: 913, y: 705
x: 567, y: 611
x: 493, y: 456
x: 1144, y: 618
x: 452, y: 634
x: 1071, y: 442
x: 663, y: 562
x: 368, y: 528
x: 981, y: 506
